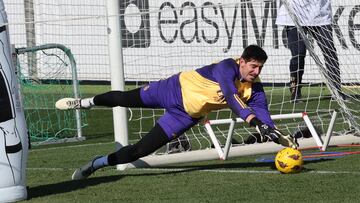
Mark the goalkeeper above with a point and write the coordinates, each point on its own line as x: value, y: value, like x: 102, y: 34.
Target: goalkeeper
x: 188, y: 97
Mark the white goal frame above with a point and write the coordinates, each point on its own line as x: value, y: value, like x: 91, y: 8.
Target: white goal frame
x: 121, y: 138
x: 224, y: 152
x: 244, y: 150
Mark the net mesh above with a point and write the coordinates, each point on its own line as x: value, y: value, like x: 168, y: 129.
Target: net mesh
x: 162, y: 38
x: 195, y: 34
x: 45, y: 76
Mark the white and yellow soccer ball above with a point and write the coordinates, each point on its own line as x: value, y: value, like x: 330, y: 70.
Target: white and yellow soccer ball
x: 289, y: 160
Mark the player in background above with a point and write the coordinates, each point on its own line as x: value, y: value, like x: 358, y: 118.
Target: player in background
x: 188, y: 97
x: 315, y: 18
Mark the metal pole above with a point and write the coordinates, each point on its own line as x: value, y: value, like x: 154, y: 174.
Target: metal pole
x: 75, y: 89
x: 30, y: 38
x: 117, y: 72
x: 228, y: 139
x: 73, y: 75
x: 329, y: 131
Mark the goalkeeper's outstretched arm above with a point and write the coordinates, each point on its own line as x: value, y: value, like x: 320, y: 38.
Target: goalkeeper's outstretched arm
x: 270, y: 133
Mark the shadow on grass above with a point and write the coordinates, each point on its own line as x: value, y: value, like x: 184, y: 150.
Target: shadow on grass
x: 225, y: 165
x: 73, y: 185
x: 69, y: 186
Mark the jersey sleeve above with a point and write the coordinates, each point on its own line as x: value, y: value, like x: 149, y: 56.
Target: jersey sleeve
x: 259, y: 104
x: 225, y: 73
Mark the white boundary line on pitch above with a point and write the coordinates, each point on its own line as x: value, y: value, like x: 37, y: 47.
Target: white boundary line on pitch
x: 72, y: 146
x: 84, y: 145
x: 204, y: 170
x: 243, y: 171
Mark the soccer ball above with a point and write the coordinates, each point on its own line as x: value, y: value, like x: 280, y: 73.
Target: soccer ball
x: 289, y: 160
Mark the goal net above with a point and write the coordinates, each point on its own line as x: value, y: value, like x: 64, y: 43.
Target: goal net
x: 177, y: 35
x: 46, y: 73
x: 162, y: 38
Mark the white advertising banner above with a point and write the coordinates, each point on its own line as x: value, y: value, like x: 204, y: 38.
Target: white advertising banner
x: 190, y: 34
x: 163, y: 37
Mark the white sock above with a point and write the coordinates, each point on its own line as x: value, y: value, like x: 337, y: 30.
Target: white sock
x: 87, y: 102
x: 100, y: 162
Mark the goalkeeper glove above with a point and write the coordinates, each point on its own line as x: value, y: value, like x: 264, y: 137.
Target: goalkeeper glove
x: 267, y: 132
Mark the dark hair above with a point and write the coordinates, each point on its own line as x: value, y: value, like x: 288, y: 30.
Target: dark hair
x: 254, y: 52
